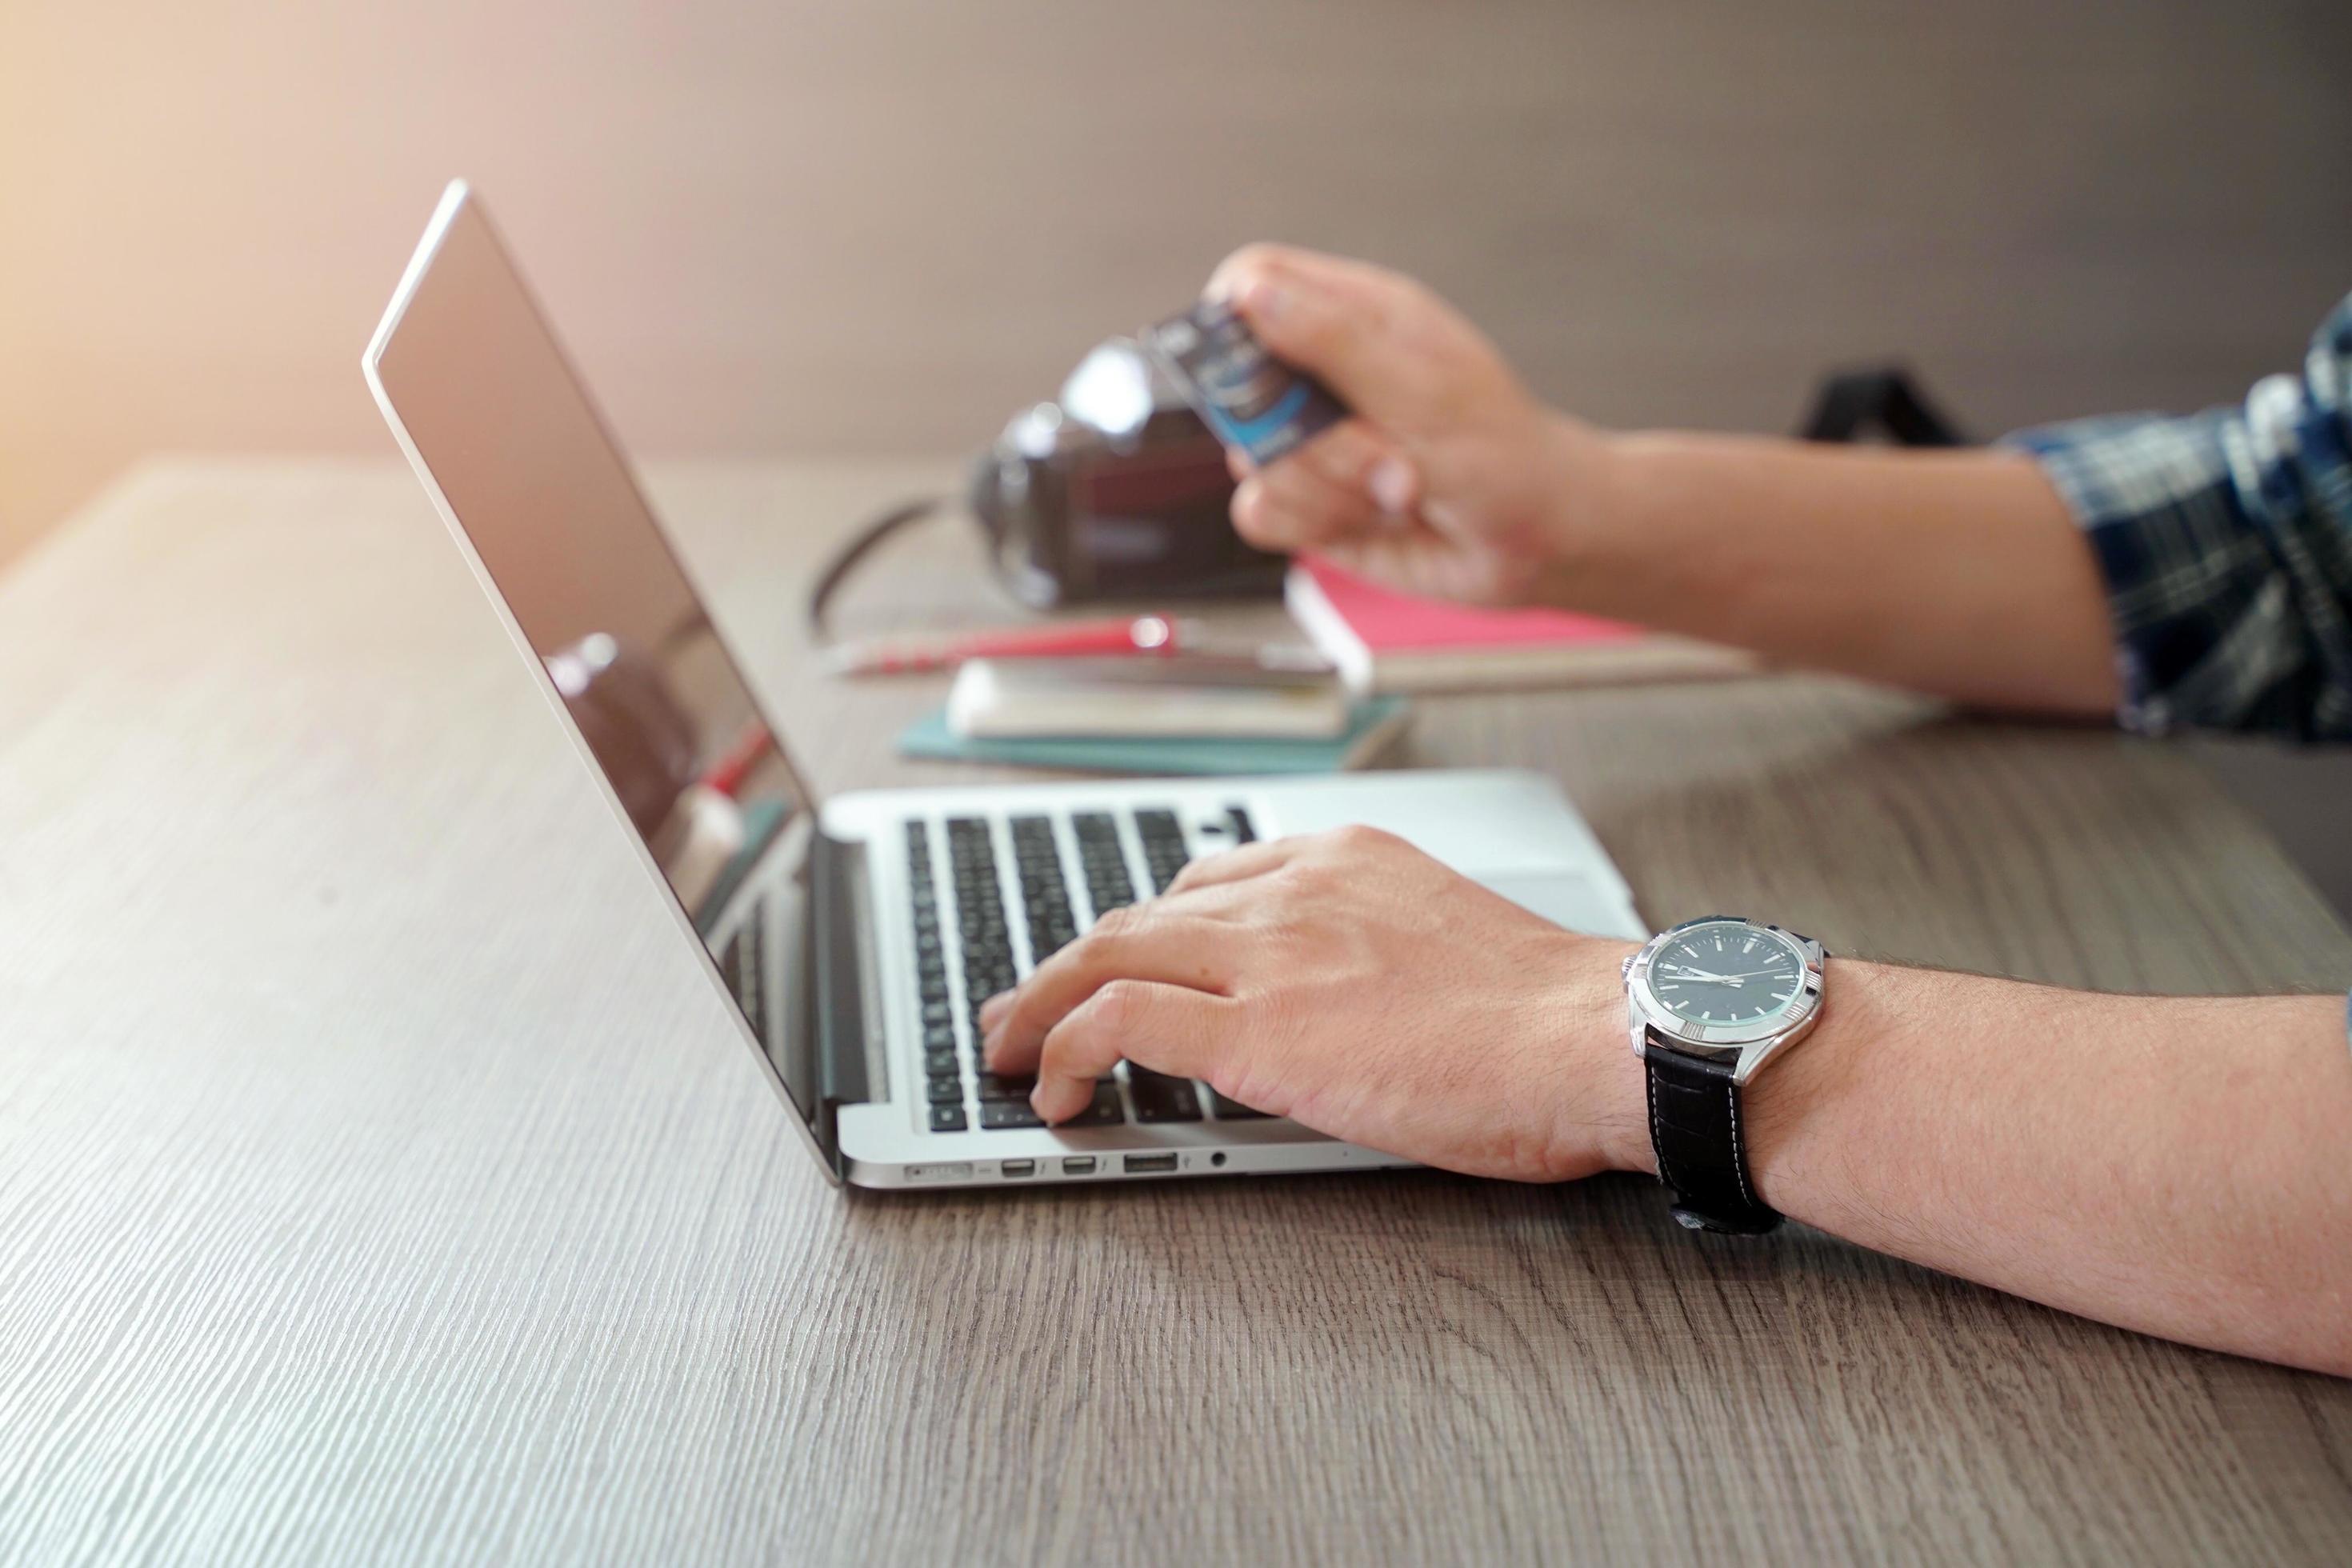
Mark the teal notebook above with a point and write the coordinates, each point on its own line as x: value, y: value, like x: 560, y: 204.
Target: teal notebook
x: 1378, y: 721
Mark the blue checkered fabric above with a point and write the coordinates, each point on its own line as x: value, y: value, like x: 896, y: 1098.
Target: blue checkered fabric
x: 2225, y: 538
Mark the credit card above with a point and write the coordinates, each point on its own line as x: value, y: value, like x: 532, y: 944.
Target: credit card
x: 1249, y: 399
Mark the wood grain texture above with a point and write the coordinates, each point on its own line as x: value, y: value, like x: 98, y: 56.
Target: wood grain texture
x: 377, y: 1182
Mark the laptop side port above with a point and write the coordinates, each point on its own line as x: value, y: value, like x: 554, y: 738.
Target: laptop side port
x: 1014, y: 1168
x: 1078, y: 1165
x: 1147, y: 1164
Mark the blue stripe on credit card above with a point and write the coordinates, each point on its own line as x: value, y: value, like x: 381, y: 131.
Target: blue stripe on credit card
x: 1209, y: 347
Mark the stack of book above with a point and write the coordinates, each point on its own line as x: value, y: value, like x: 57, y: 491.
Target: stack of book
x: 1339, y: 706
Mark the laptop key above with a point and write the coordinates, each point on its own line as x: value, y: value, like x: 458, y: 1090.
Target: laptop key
x: 945, y: 1091
x: 1232, y: 1110
x: 1159, y: 1097
x: 999, y: 1114
x: 939, y: 1063
x: 1105, y: 1110
x: 947, y: 1119
x: 993, y: 1085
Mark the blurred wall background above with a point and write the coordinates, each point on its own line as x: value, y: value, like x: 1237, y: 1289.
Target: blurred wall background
x: 878, y: 226
x: 769, y: 226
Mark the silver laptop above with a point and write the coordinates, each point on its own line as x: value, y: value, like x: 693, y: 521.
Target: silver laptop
x: 855, y: 937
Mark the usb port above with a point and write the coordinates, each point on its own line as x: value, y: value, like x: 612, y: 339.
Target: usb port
x: 1147, y: 1164
x: 1019, y: 1167
x: 1078, y: 1165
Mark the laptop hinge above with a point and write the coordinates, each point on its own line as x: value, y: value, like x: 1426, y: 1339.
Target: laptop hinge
x: 837, y: 995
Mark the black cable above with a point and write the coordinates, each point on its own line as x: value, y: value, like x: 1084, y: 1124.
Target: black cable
x: 860, y: 545
x: 1849, y: 407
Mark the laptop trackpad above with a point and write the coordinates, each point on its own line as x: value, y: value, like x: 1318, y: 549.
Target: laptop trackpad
x: 1473, y: 822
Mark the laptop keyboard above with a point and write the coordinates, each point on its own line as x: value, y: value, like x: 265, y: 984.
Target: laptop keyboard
x: 959, y: 1092
x: 739, y: 963
x: 1101, y: 861
x: 1039, y: 862
x: 1163, y: 846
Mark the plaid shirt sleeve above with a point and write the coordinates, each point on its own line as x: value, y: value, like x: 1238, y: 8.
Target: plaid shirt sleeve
x: 2225, y: 538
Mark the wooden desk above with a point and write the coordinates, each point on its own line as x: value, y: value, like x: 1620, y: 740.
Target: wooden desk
x: 377, y: 1179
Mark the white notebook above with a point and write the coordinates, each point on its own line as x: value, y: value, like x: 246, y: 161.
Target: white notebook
x: 1014, y: 697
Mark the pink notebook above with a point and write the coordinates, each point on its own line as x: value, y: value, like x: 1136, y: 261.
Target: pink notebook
x: 1381, y: 640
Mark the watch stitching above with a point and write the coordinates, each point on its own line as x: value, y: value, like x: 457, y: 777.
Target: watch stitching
x: 1657, y: 1132
x: 1738, y: 1149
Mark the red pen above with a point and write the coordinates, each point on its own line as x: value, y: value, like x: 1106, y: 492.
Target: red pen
x: 1065, y: 639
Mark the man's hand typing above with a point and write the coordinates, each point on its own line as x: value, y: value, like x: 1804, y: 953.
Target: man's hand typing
x: 1355, y: 985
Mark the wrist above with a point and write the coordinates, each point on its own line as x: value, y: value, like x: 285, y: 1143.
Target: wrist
x: 1630, y: 1147
x: 1600, y: 1115
x: 1625, y: 1091
x: 1589, y: 484
x: 1798, y: 1108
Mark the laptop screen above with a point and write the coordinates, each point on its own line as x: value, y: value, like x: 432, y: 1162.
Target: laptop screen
x: 473, y: 375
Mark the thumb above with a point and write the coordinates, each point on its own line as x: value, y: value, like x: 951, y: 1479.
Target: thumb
x: 1336, y: 320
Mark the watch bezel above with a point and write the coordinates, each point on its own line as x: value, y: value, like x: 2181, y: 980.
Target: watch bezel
x: 1747, y: 1045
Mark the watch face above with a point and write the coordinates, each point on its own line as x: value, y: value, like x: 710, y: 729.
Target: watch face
x: 1727, y: 974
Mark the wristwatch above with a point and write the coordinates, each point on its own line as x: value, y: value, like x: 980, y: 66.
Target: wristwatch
x: 1708, y: 1004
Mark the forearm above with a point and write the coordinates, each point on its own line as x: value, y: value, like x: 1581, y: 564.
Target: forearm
x: 1959, y: 574
x: 2174, y: 1166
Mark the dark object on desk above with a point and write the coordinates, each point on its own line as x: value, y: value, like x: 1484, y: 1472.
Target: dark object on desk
x: 1119, y: 491
x: 1850, y: 406
x: 1115, y: 491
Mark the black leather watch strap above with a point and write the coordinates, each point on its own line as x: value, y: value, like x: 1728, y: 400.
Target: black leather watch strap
x: 1702, y: 1151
